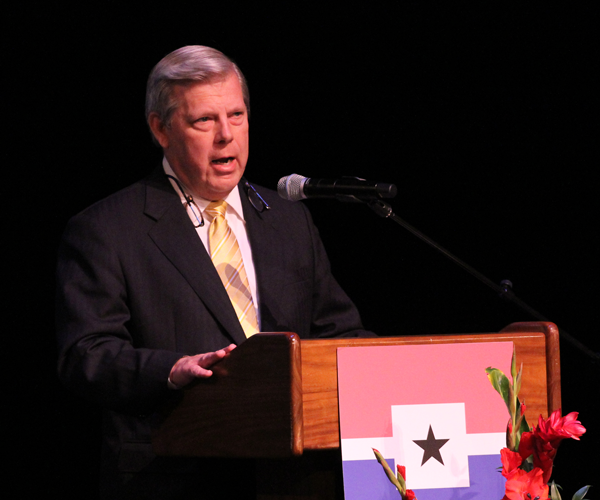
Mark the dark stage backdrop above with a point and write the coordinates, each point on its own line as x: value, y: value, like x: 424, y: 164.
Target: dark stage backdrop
x: 483, y: 115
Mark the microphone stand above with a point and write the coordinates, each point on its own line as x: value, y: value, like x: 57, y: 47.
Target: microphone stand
x: 504, y: 289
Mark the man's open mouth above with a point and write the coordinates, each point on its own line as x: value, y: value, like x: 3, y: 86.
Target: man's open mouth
x: 223, y: 161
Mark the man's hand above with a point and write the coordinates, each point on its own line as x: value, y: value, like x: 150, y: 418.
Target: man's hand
x: 190, y: 367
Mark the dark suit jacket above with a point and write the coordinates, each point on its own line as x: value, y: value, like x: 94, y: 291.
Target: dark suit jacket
x: 137, y: 290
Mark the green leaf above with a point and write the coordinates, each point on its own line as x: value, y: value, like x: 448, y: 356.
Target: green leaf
x: 513, y: 364
x: 517, y: 381
x: 509, y: 440
x: 581, y: 493
x: 500, y: 383
x: 512, y: 407
x: 554, y: 493
x: 402, y: 482
x: 388, y: 472
x: 524, y: 427
x: 527, y: 464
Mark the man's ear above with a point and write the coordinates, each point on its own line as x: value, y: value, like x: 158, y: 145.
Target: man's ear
x: 158, y: 129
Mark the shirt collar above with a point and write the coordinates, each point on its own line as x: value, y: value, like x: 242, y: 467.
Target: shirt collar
x: 233, y: 200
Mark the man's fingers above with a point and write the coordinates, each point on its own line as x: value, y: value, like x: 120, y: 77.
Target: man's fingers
x: 199, y: 371
x: 187, y: 369
x: 210, y: 358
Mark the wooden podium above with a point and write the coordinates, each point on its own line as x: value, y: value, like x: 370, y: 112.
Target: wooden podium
x: 275, y: 396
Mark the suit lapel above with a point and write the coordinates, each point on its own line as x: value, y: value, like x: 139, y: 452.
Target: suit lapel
x: 268, y: 257
x: 175, y: 236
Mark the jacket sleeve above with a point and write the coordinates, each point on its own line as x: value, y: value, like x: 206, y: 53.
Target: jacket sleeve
x: 99, y: 358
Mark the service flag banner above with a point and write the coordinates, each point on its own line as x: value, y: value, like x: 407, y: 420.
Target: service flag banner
x: 430, y: 408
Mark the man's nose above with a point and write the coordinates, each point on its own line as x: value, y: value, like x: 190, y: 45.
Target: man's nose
x: 224, y: 132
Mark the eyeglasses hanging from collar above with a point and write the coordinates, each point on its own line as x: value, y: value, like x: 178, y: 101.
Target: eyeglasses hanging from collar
x: 256, y: 199
x: 195, y: 214
x: 191, y: 208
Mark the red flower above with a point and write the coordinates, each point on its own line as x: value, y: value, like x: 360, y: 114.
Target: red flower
x: 510, y: 462
x: 402, y: 471
x: 530, y: 485
x: 543, y: 441
x: 543, y: 452
x: 519, y: 483
x: 406, y: 494
x: 555, y: 429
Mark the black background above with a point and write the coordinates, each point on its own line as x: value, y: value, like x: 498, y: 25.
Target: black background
x: 483, y: 114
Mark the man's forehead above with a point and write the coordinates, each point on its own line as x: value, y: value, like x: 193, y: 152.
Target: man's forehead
x: 220, y: 88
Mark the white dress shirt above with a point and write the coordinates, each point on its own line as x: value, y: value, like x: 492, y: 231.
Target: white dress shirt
x: 235, y: 220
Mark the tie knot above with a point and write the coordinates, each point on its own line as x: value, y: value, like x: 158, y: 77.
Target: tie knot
x: 216, y: 209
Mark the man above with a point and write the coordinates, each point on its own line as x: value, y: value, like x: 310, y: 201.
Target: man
x: 142, y: 308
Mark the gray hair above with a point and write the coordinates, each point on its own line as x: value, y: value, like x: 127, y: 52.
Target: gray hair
x: 193, y: 63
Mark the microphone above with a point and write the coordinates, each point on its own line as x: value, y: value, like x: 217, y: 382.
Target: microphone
x: 295, y: 187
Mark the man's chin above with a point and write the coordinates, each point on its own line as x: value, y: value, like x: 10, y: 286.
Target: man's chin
x: 220, y: 189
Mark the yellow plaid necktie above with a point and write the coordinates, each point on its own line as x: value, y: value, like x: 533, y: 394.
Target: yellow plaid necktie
x: 227, y: 258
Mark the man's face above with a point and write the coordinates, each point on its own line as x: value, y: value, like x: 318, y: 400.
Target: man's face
x: 206, y: 143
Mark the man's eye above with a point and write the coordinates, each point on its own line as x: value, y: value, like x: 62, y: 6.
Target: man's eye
x: 204, y: 119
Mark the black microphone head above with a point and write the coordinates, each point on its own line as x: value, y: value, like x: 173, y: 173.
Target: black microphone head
x: 292, y: 187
